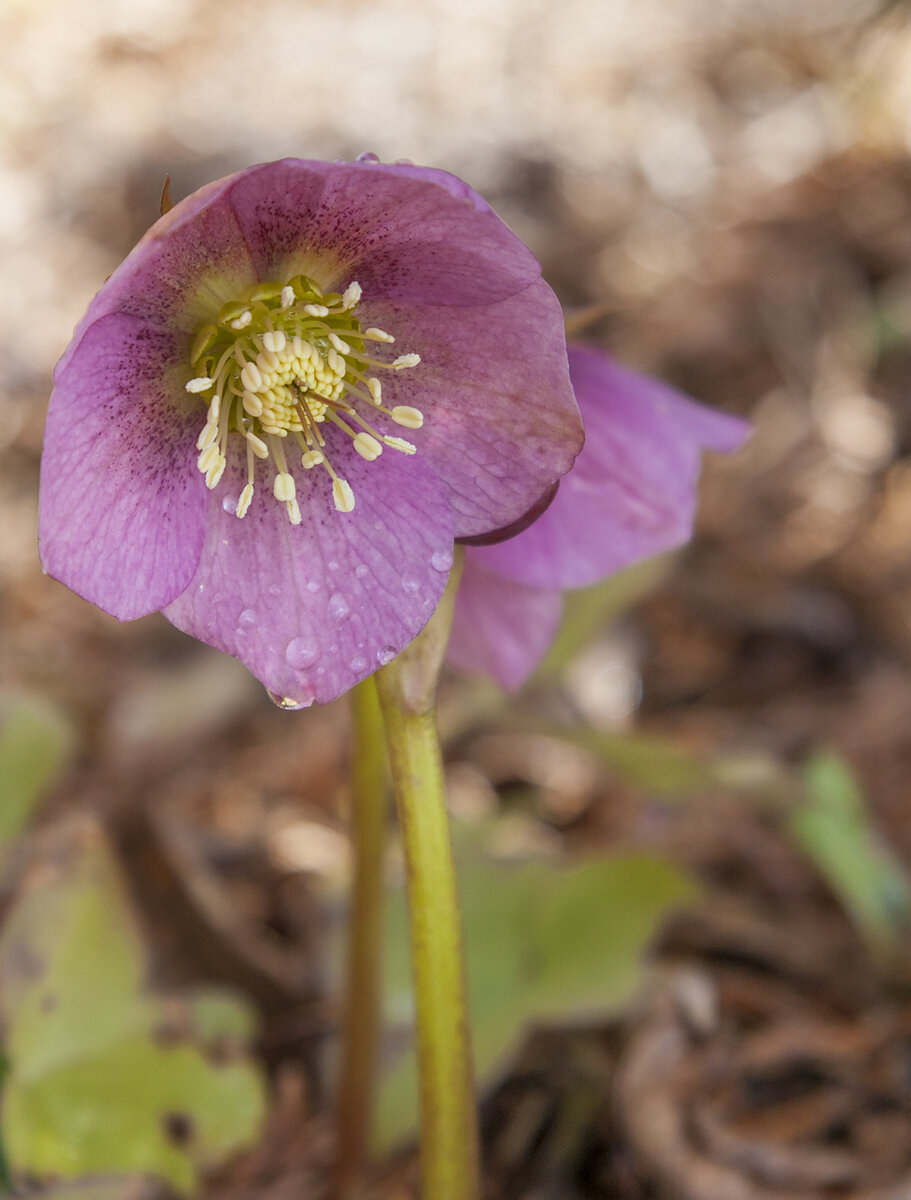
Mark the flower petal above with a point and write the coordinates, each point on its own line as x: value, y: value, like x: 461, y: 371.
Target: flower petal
x: 632, y: 492
x: 501, y: 422
x: 501, y: 628
x: 396, y: 233
x: 312, y: 609
x: 458, y: 187
x: 191, y: 262
x: 122, y: 504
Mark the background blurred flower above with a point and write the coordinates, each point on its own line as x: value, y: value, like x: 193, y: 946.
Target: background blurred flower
x: 631, y: 493
x: 212, y: 442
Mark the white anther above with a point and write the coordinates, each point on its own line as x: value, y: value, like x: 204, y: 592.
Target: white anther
x: 341, y: 347
x: 274, y: 340
x: 300, y: 348
x: 335, y: 362
x: 367, y: 447
x: 243, y: 320
x: 207, y: 435
x: 252, y: 404
x: 411, y: 418
x: 211, y: 454
x: 250, y: 377
x: 316, y: 310
x: 405, y: 360
x: 201, y: 384
x: 215, y: 472
x: 257, y: 445
x: 246, y: 499
x: 267, y: 362
x: 342, y: 495
x: 294, y: 512
x: 311, y: 459
x: 375, y: 389
x: 283, y: 488
x: 214, y: 408
x: 287, y: 296
x: 398, y: 443
x: 378, y: 335
x: 351, y: 295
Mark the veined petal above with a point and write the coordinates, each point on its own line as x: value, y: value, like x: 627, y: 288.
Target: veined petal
x: 458, y: 187
x: 501, y: 422
x: 122, y: 504
x: 397, y: 234
x: 501, y: 628
x: 312, y: 609
x: 185, y: 267
x: 632, y: 492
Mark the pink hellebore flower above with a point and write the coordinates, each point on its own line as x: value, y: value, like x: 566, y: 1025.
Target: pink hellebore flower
x: 233, y: 439
x: 631, y: 494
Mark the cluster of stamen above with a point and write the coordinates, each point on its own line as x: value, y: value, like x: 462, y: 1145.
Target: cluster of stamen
x: 276, y: 368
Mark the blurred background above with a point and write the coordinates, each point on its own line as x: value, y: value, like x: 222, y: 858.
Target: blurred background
x: 720, y: 193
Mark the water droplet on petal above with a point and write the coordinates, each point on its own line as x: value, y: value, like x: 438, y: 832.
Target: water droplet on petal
x: 385, y: 654
x: 229, y: 504
x: 367, y: 156
x: 313, y: 586
x: 410, y: 585
x: 441, y: 560
x: 358, y: 664
x: 288, y: 703
x: 301, y: 652
x: 247, y: 618
x: 338, y: 607
x: 361, y: 570
x: 333, y: 565
x: 274, y: 590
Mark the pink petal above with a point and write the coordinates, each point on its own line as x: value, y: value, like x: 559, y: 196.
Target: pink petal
x: 312, y: 609
x: 190, y: 262
x: 633, y: 490
x: 397, y: 234
x: 122, y: 503
x: 501, y: 422
x: 501, y: 628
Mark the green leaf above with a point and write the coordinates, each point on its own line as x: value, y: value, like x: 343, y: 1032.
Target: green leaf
x: 834, y: 828
x: 544, y: 943
x: 667, y: 770
x: 35, y: 741
x: 106, y: 1077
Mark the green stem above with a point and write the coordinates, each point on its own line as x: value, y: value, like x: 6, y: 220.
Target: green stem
x: 362, y: 1002
x: 449, y: 1135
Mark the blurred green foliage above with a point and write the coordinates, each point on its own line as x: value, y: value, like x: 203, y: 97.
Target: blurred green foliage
x: 545, y: 943
x: 106, y: 1077
x: 35, y: 743
x: 834, y: 828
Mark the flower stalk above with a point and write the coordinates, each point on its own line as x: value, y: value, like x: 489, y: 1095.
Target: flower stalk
x: 361, y: 1018
x: 407, y: 692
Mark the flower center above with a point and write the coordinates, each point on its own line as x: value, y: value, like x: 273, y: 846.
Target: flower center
x: 278, y: 366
